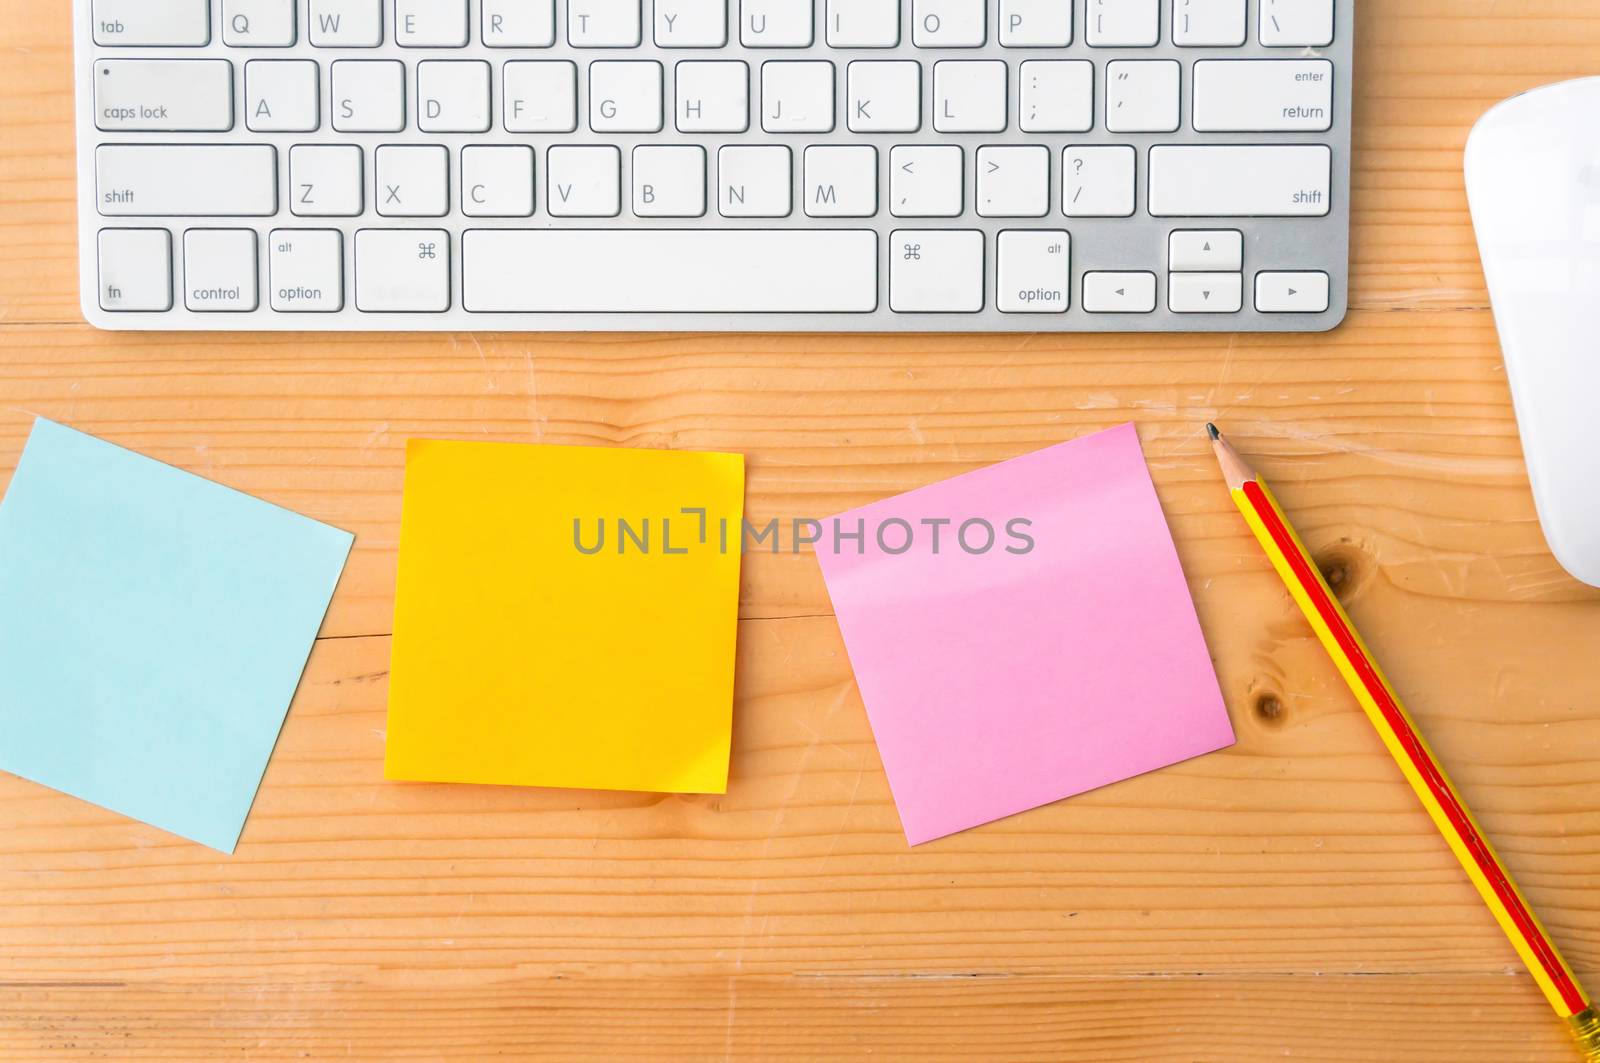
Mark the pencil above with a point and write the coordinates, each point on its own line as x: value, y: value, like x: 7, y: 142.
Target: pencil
x: 1399, y: 733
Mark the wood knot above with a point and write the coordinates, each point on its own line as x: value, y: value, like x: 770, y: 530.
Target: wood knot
x: 1269, y: 708
x: 1346, y: 567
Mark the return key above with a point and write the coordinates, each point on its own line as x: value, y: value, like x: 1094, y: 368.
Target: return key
x: 1263, y: 95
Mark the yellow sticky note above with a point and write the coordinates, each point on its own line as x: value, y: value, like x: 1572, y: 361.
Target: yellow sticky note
x: 565, y: 616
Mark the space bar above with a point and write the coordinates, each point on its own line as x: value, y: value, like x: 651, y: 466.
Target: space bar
x: 668, y: 271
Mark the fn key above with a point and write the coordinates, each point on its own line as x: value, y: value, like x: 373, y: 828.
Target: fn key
x: 136, y: 269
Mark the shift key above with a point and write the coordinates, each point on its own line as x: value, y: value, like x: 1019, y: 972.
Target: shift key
x: 186, y: 180
x: 1240, y: 180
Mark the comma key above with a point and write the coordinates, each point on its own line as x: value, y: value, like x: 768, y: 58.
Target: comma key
x: 307, y: 270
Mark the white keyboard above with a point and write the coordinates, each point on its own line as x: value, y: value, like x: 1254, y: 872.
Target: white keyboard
x: 778, y: 165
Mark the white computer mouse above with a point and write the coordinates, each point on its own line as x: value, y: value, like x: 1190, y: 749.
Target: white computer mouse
x: 1533, y: 179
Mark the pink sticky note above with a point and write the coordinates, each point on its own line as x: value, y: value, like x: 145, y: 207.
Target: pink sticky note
x: 1001, y: 679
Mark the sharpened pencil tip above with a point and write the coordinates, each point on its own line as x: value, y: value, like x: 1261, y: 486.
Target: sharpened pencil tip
x: 1211, y: 430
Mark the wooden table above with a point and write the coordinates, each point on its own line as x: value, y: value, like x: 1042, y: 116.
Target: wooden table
x: 1285, y: 898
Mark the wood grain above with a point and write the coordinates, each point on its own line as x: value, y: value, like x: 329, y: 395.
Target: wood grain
x: 1285, y: 897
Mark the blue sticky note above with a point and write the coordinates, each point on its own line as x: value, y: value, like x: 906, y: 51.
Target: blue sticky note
x: 153, y: 628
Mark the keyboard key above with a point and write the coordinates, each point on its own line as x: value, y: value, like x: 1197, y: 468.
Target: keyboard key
x: 775, y: 23
x: 258, y: 24
x: 584, y: 181
x: 863, y: 23
x: 541, y: 97
x: 1205, y: 251
x: 936, y: 271
x: 797, y: 97
x: 1097, y: 181
x: 1286, y: 292
x: 841, y: 181
x: 969, y: 96
x: 669, y: 181
x: 1204, y: 293
x: 1208, y: 23
x: 884, y: 97
x: 691, y: 23
x: 625, y: 97
x: 135, y: 269
x: 754, y: 182
x: 413, y: 180
x: 1240, y: 180
x: 1034, y: 272
x: 369, y: 96
x: 1014, y: 182
x: 282, y: 95
x: 403, y: 271
x: 219, y: 270
x: 497, y: 181
x: 1262, y: 95
x: 325, y: 180
x: 1119, y: 293
x: 305, y: 268
x: 168, y: 95
x: 603, y: 23
x: 713, y: 97
x: 1296, y: 23
x: 187, y: 180
x: 519, y: 23
x: 1123, y: 23
x: 925, y: 181
x: 430, y: 24
x: 1035, y: 23
x: 1057, y: 96
x: 787, y: 271
x: 949, y: 23
x: 1142, y: 96
x: 346, y: 23
x: 453, y: 96
x: 140, y: 23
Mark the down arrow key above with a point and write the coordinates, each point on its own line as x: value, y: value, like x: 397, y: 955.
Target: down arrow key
x: 1205, y: 293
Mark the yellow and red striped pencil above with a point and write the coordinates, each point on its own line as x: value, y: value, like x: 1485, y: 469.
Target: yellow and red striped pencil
x: 1428, y: 780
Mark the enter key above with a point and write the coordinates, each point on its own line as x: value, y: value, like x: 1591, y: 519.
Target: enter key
x: 1263, y: 95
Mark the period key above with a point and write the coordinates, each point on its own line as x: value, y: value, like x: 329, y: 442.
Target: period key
x: 1035, y: 272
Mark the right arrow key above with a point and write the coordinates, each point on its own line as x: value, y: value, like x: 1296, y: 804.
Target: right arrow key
x: 1291, y: 292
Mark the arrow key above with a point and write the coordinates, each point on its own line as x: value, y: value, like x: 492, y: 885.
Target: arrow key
x: 1119, y: 293
x: 1283, y: 292
x: 1205, y: 293
x: 1205, y: 251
